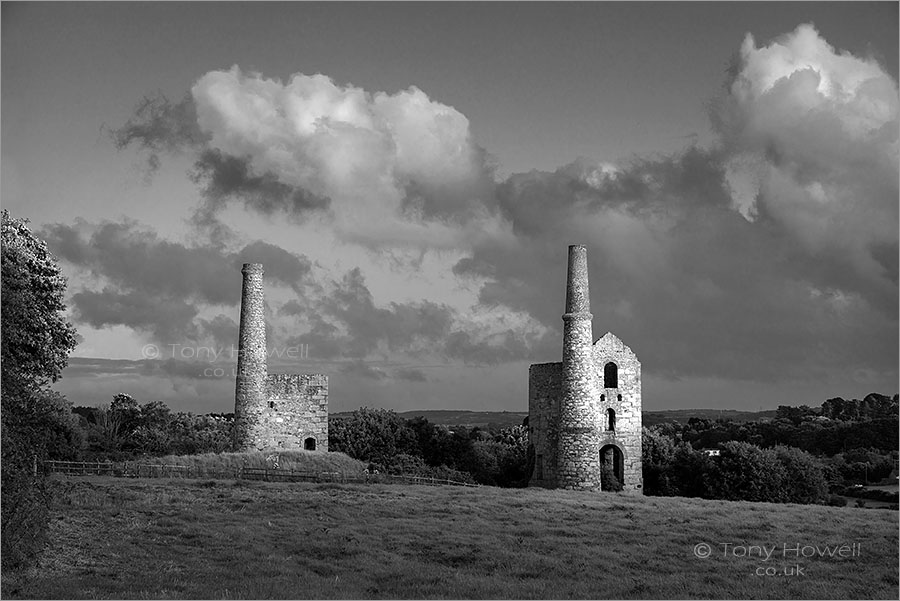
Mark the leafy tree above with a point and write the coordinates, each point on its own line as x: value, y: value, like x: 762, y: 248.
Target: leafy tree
x: 372, y: 435
x: 657, y: 457
x: 804, y: 476
x: 35, y: 341
x: 745, y: 472
x: 36, y: 338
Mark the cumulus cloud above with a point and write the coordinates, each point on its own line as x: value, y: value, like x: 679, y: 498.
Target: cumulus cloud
x: 810, y: 136
x: 694, y: 287
x: 771, y: 254
x: 382, y: 169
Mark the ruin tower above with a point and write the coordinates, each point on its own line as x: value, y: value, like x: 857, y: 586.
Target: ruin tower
x: 252, y: 370
x: 584, y: 413
x: 273, y: 411
x: 577, y: 465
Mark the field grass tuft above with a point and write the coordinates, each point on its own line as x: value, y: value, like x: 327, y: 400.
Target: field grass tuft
x: 297, y: 460
x: 160, y: 539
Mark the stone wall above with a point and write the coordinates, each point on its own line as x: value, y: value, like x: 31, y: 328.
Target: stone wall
x: 295, y: 411
x: 544, y: 385
x: 627, y: 433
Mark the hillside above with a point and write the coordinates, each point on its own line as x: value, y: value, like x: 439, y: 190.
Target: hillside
x: 219, y: 539
x: 507, y: 419
x: 651, y: 418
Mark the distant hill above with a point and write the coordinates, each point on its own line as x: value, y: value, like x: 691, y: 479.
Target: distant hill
x: 470, y: 419
x: 651, y: 418
x: 507, y: 419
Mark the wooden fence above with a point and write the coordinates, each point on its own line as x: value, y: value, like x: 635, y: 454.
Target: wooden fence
x: 130, y: 469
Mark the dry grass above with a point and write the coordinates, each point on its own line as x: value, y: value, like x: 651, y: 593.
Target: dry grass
x: 298, y: 460
x: 145, y: 539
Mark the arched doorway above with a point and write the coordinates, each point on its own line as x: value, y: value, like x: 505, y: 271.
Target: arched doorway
x: 612, y: 468
x: 309, y: 444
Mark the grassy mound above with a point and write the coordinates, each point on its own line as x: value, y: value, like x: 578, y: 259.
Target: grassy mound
x: 159, y: 539
x: 315, y: 461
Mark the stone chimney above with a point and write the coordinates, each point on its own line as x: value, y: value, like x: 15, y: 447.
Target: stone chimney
x: 577, y: 455
x: 250, y: 388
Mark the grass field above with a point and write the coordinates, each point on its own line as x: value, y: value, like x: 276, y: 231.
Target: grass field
x: 297, y: 460
x: 139, y: 539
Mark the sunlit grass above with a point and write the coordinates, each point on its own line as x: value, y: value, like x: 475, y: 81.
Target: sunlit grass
x: 117, y: 538
x: 297, y: 460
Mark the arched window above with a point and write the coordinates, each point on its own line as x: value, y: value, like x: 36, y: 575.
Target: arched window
x: 610, y: 375
x: 602, y: 398
x: 620, y: 398
x: 611, y: 420
x: 309, y: 444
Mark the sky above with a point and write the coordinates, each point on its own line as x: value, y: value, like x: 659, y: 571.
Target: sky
x: 411, y: 175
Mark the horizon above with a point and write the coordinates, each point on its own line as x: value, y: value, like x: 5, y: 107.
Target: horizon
x: 411, y: 176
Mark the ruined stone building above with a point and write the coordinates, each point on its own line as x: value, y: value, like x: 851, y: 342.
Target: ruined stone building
x: 584, y: 414
x: 273, y: 411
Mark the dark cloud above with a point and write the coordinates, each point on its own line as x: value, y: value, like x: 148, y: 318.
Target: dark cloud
x: 410, y: 374
x: 158, y: 286
x: 224, y: 178
x: 458, y: 201
x: 347, y: 323
x: 160, y: 126
x: 676, y: 272
x: 170, y: 320
x: 362, y: 370
x: 461, y: 345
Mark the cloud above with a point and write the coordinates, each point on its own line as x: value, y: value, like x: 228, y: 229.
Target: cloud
x: 687, y: 281
x: 157, y: 286
x: 381, y: 169
x: 160, y: 126
x: 810, y: 137
x: 770, y: 255
x: 346, y: 322
x: 362, y: 370
x: 410, y: 375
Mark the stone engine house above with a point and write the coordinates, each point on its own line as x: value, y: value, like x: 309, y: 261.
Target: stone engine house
x: 273, y: 411
x: 584, y: 414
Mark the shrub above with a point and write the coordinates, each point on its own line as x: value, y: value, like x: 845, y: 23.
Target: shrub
x: 836, y: 501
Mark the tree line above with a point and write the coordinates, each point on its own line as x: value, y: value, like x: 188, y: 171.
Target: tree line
x: 803, y: 455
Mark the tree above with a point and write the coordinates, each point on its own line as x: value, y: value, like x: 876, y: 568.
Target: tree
x: 745, y: 472
x: 36, y: 338
x: 804, y: 476
x: 35, y: 341
x: 372, y: 435
x: 657, y: 458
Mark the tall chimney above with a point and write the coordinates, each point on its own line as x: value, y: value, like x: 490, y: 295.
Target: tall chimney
x: 250, y: 388
x: 578, y: 467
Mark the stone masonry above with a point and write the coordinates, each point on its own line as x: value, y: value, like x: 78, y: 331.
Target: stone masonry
x: 273, y: 411
x: 584, y: 414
